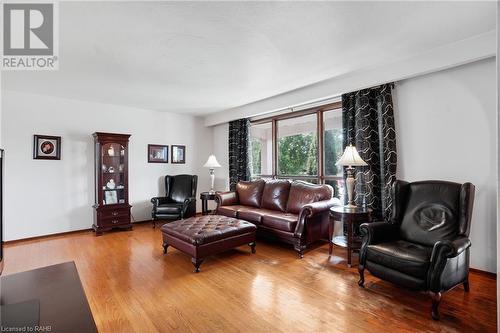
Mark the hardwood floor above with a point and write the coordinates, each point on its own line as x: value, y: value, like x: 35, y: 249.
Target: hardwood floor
x: 133, y: 287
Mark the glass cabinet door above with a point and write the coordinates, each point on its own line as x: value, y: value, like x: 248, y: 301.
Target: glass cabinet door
x: 113, y: 170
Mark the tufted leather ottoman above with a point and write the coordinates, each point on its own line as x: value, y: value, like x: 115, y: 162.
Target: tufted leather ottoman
x: 202, y: 236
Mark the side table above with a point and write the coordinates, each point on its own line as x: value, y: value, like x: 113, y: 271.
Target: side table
x: 205, y: 196
x: 351, y: 217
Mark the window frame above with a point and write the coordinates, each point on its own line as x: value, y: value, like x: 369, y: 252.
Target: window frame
x: 320, y: 131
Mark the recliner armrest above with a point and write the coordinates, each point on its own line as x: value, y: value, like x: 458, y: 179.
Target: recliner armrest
x: 445, y: 249
x: 379, y: 232
x: 156, y: 201
x: 226, y: 198
x: 189, y: 200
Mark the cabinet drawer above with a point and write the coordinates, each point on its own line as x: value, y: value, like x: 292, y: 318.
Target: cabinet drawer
x: 117, y: 213
x: 111, y: 221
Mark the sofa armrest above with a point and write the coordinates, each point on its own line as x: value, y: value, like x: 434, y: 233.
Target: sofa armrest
x: 156, y: 201
x: 319, y: 207
x: 226, y: 198
x: 312, y: 210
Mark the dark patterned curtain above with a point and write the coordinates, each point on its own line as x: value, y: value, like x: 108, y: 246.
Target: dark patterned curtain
x: 368, y: 123
x: 238, y: 152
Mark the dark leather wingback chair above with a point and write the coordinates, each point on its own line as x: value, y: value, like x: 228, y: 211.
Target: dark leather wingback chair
x: 179, y: 201
x: 425, y: 245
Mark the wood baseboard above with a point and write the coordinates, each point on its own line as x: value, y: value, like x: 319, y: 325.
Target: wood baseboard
x: 45, y: 236
x: 66, y: 233
x: 479, y: 271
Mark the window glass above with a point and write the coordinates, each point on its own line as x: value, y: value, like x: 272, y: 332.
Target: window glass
x: 332, y: 141
x: 261, y: 149
x: 298, y: 146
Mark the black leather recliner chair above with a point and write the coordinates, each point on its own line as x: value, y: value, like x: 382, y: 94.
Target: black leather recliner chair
x: 180, y: 199
x: 425, y: 245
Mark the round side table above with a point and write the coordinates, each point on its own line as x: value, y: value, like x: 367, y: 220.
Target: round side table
x: 205, y: 196
x: 351, y: 217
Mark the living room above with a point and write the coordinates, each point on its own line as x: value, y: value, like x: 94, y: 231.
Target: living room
x: 352, y: 145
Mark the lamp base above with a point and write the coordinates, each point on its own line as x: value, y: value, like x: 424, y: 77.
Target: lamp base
x: 350, y: 206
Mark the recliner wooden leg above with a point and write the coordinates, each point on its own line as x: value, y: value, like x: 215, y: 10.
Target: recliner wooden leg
x: 361, y: 271
x: 466, y: 286
x: 436, y: 299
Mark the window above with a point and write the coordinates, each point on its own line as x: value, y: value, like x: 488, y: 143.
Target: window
x: 332, y: 143
x: 261, y: 150
x: 304, y: 145
x: 298, y: 146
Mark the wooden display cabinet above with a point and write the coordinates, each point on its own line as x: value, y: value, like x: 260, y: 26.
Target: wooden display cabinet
x: 111, y: 208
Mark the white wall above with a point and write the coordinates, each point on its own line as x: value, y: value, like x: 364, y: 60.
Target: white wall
x: 446, y: 129
x: 46, y: 197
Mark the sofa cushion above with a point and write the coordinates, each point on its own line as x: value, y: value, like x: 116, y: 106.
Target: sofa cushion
x: 402, y: 256
x: 250, y: 214
x: 275, y: 194
x: 302, y: 193
x: 250, y: 193
x: 280, y: 221
x: 229, y: 211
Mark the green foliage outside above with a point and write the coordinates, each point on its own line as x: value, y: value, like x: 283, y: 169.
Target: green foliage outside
x: 333, y: 151
x: 298, y: 155
x: 256, y: 159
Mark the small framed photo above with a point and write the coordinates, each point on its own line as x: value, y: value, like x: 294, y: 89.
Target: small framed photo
x: 46, y: 147
x: 178, y: 154
x: 157, y: 154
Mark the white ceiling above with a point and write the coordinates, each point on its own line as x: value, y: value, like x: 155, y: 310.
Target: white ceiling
x: 203, y: 57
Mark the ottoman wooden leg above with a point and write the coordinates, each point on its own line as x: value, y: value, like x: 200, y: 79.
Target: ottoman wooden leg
x: 165, y: 246
x: 252, y: 245
x: 196, y: 262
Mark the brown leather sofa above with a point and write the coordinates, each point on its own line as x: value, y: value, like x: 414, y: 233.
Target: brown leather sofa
x: 294, y: 212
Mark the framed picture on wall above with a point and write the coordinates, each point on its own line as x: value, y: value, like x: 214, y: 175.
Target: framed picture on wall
x: 157, y: 154
x: 178, y: 154
x: 46, y: 147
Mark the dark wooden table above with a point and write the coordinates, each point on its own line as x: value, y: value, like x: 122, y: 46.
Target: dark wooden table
x: 205, y: 196
x: 352, y: 217
x: 51, y: 297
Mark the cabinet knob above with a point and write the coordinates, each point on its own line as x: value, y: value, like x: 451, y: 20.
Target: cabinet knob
x: 114, y: 213
x: 114, y: 221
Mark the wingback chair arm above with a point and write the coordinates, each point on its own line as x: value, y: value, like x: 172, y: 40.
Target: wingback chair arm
x: 156, y: 201
x: 226, y: 198
x: 445, y: 249
x: 185, y: 207
x: 311, y: 210
x: 379, y: 232
x: 189, y: 200
x: 441, y: 252
x: 375, y: 233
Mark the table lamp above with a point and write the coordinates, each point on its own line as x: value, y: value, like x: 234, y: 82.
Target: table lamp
x: 212, y: 164
x: 350, y: 158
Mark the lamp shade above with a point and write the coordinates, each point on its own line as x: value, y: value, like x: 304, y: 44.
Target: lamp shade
x: 212, y: 162
x: 350, y: 158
